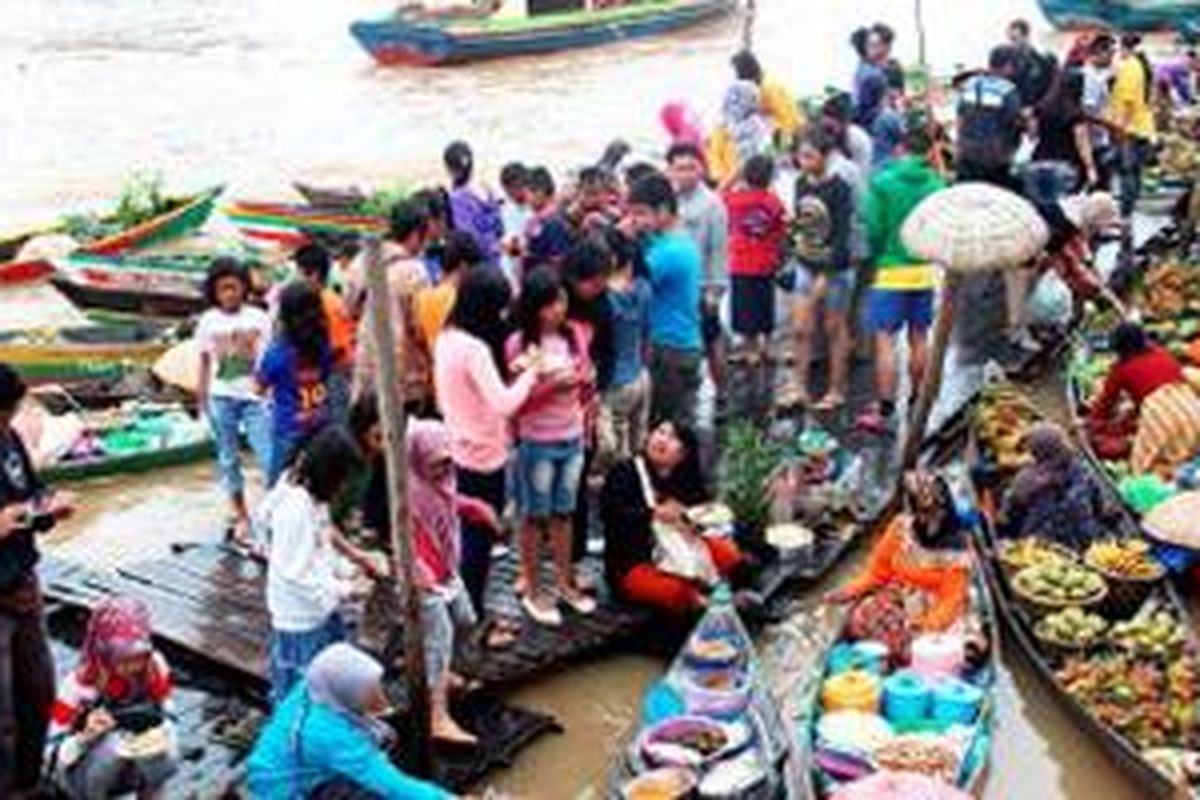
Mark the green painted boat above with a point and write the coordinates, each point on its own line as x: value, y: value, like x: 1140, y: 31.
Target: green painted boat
x: 97, y: 352
x: 111, y: 466
x: 188, y: 214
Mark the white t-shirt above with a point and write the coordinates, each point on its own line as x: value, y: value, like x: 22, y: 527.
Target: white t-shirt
x: 303, y: 587
x: 234, y: 343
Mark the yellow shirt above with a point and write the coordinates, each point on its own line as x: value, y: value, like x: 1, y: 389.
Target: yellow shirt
x: 1128, y: 107
x: 431, y: 309
x: 781, y: 108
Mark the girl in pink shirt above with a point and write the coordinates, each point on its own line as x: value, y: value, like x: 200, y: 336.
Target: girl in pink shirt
x: 550, y: 428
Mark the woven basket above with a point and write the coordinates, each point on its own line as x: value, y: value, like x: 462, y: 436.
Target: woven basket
x: 1126, y: 595
x: 1039, y: 607
x: 1011, y: 569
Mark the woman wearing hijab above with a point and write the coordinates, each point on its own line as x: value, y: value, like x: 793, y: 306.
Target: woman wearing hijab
x: 327, y: 737
x: 744, y: 132
x: 1055, y: 497
x: 120, y: 688
x: 922, y: 551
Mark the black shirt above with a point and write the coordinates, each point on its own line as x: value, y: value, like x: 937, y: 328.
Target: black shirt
x: 18, y: 484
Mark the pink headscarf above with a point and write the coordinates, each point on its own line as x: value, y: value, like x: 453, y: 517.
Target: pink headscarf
x: 432, y: 500
x: 682, y: 123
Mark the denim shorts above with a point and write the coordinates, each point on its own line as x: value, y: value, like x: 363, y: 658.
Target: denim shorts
x: 889, y: 310
x: 548, y: 475
x: 291, y: 652
x: 839, y: 289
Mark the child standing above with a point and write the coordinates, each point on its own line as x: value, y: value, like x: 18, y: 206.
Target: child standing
x: 232, y: 336
x: 295, y: 372
x: 550, y: 429
x: 547, y: 236
x: 625, y: 412
x: 121, y: 688
x: 515, y: 212
x: 314, y: 265
x: 757, y: 233
x: 304, y: 588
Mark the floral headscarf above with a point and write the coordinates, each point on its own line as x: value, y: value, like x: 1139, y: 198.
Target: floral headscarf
x: 741, y: 114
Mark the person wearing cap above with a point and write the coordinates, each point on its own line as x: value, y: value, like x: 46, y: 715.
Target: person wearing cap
x: 473, y: 210
x: 27, y: 509
x: 121, y: 688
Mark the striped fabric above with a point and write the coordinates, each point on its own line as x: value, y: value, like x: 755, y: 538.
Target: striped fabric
x: 1168, y: 429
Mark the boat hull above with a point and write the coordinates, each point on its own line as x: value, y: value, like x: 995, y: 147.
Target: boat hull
x: 185, y: 219
x: 402, y: 42
x: 89, y: 356
x: 1125, y: 15
x: 290, y: 225
x: 107, y: 467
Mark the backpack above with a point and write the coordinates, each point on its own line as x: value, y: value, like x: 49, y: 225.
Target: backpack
x: 989, y: 112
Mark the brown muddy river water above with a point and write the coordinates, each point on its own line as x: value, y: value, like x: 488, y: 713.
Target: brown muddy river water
x: 256, y: 93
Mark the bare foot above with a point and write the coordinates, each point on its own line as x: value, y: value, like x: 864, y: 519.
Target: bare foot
x: 447, y: 730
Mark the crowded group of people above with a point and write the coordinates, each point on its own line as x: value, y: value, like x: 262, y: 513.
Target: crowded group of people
x: 551, y: 337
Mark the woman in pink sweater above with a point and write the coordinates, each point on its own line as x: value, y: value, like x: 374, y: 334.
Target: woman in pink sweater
x: 476, y: 405
x: 550, y: 429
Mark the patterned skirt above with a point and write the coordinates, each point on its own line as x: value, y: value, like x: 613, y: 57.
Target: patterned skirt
x: 1168, y: 429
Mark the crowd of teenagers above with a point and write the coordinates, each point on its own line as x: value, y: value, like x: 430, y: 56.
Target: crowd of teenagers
x: 548, y: 336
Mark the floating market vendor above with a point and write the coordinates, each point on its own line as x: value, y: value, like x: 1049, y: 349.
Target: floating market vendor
x: 1168, y: 410
x: 1056, y: 497
x: 652, y: 554
x: 922, y: 550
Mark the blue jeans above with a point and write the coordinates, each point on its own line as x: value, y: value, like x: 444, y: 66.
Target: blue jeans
x: 292, y: 652
x: 230, y: 417
x: 548, y: 475
x: 1134, y: 155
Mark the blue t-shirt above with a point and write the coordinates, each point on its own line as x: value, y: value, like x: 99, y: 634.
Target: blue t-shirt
x: 630, y: 324
x: 674, y: 266
x: 299, y: 392
x: 548, y: 242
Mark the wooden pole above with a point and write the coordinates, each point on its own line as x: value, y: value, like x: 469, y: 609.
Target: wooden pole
x: 388, y: 370
x: 931, y: 384
x: 748, y: 25
x: 922, y: 59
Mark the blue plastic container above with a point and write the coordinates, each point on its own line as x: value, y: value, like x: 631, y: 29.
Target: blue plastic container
x: 906, y: 698
x: 956, y: 702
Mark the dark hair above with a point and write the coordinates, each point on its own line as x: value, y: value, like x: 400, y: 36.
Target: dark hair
x: 759, y: 171
x: 540, y: 288
x: 622, y: 250
x: 1103, y: 42
x: 588, y: 258
x: 541, y: 180
x: 302, y: 321
x: 592, y: 177
x: 614, y: 153
x: 839, y: 107
x: 220, y: 268
x: 684, y: 150
x: 1020, y: 26
x: 635, y: 172
x: 885, y: 33
x: 462, y: 251
x: 479, y: 306
x: 824, y: 138
x: 1003, y: 57
x: 686, y: 483
x: 12, y: 388
x: 460, y: 162
x: 364, y: 415
x: 859, y: 39
x: 514, y: 176
x: 1128, y: 340
x: 407, y: 218
x: 655, y: 192
x: 434, y: 203
x: 947, y: 535
x: 1064, y: 100
x: 746, y: 67
x: 313, y: 260
x: 918, y: 138
x: 1131, y: 41
x: 326, y: 462
x: 894, y: 74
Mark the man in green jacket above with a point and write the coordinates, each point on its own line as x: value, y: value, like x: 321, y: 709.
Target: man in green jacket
x: 901, y: 295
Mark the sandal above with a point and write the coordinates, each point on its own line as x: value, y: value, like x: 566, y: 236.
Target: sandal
x: 830, y: 402
x: 496, y: 636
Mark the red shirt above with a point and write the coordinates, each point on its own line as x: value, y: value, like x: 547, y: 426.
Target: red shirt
x: 1140, y: 376
x: 757, y: 231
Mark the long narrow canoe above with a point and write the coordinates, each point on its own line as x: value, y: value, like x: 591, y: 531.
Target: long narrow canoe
x: 151, y: 285
x: 1153, y: 782
x: 130, y: 464
x: 1124, y: 15
x: 290, y: 224
x: 422, y: 40
x: 92, y: 353
x: 188, y: 215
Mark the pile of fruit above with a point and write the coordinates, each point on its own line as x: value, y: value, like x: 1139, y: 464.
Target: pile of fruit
x: 1071, y: 627
x: 1154, y: 635
x: 1178, y: 156
x: 1030, y: 551
x: 1060, y: 583
x: 1170, y: 289
x: 1003, y: 417
x: 1127, y: 559
x: 1150, y: 704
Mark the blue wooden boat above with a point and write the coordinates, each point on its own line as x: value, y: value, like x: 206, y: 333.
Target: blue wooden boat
x: 422, y: 39
x: 1125, y: 15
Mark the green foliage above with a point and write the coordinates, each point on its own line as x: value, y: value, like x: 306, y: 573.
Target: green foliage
x: 750, y: 460
x: 381, y: 202
x: 141, y: 200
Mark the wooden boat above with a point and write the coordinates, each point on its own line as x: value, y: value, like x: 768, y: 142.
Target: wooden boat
x: 1124, y: 15
x: 972, y: 774
x: 334, y: 198
x: 421, y: 39
x: 1043, y: 659
x: 86, y: 353
x: 150, y: 285
x: 187, y: 215
x: 290, y: 225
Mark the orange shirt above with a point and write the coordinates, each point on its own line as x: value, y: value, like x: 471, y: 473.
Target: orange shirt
x: 899, y: 561
x: 431, y: 309
x: 341, y: 327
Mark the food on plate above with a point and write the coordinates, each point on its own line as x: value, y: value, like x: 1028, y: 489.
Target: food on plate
x: 1127, y: 558
x: 1072, y: 627
x: 668, y: 783
x: 1159, y: 635
x: 1060, y: 583
x: 1030, y: 551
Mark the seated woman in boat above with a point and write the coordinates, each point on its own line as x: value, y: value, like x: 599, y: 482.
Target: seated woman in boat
x: 652, y: 555
x: 115, y: 700
x: 1168, y: 410
x: 327, y: 739
x: 1056, y: 497
x: 922, y: 550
